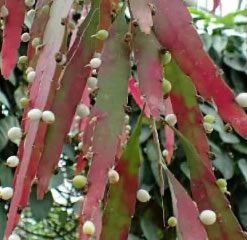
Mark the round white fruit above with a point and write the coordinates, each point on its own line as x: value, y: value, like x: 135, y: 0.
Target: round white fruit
x: 48, y: 117
x: 82, y: 110
x: 14, y: 237
x: 12, y: 161
x: 165, y: 153
x: 34, y: 114
x: 171, y: 119
x: 92, y: 82
x: 88, y: 228
x: 143, y: 195
x: 113, y: 176
x: 207, y: 217
x: 14, y: 134
x: 6, y: 193
x: 29, y: 3
x: 95, y: 63
x: 31, y: 76
x: 29, y: 69
x: 25, y: 37
x: 241, y: 99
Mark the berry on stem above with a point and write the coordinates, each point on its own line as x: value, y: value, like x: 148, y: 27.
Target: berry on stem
x: 79, y: 181
x: 88, y: 228
x: 113, y: 176
x: 48, y: 117
x: 172, y: 222
x: 171, y: 119
x: 34, y: 114
x: 12, y: 161
x: 207, y: 217
x: 6, y: 193
x: 143, y: 195
x: 241, y: 99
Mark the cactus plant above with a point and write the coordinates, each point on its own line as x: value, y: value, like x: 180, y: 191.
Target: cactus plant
x: 78, y: 74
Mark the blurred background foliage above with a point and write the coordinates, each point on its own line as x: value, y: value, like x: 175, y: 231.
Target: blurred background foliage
x: 56, y: 216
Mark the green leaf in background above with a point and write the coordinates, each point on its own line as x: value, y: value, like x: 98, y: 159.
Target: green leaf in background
x: 150, y: 229
x: 40, y: 209
x: 3, y: 218
x: 5, y: 175
x: 121, y: 197
x: 4, y: 100
x: 56, y: 180
x: 222, y: 161
x: 219, y: 126
x: 242, y: 164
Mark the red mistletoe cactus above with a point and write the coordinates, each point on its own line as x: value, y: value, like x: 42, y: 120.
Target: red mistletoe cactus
x: 161, y: 63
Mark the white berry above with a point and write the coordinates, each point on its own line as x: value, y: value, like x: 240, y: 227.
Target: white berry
x: 6, y: 193
x: 29, y: 69
x: 165, y: 153
x: 31, y: 13
x: 95, y: 63
x: 36, y: 42
x: 48, y: 117
x: 34, y: 114
x: 31, y: 76
x: 92, y: 82
x: 171, y: 119
x: 25, y: 37
x: 82, y: 110
x: 208, y: 127
x: 208, y: 217
x: 29, y: 3
x: 12, y: 161
x: 4, y: 11
x: 143, y: 195
x: 88, y: 228
x: 80, y: 146
x: 113, y: 176
x: 14, y: 134
x: 241, y: 99
x: 14, y: 237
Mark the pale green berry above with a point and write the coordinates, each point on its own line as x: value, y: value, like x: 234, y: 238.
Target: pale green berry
x: 79, y: 181
x: 166, y: 58
x: 172, y: 222
x: 23, y: 59
x: 166, y: 86
x: 24, y: 102
x: 223, y: 189
x: 221, y: 182
x: 45, y: 9
x: 102, y: 34
x: 209, y: 118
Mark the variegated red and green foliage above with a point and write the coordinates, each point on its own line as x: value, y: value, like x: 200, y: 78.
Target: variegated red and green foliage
x: 138, y: 33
